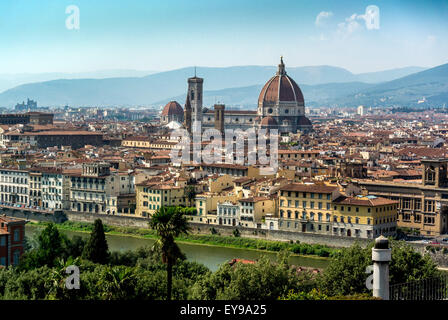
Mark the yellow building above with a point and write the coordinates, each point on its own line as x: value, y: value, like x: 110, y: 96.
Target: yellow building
x: 206, y: 206
x: 323, y: 209
x: 306, y: 207
x: 145, y: 142
x: 151, y: 197
x: 365, y: 216
x: 218, y: 183
x: 254, y: 209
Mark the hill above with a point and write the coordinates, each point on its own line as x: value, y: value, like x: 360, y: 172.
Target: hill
x: 151, y: 89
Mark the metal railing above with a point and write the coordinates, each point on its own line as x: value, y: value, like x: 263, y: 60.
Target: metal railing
x: 435, y: 288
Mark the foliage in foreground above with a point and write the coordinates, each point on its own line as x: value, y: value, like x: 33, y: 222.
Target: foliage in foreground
x: 140, y: 274
x: 346, y: 275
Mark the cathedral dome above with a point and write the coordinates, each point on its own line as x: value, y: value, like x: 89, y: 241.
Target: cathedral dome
x: 282, y: 88
x: 303, y: 121
x: 172, y: 108
x: 268, y: 121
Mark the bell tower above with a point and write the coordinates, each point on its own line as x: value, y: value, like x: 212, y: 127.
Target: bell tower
x: 195, y: 96
x: 434, y: 172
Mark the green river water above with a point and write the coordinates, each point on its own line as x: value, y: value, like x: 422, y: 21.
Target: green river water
x: 210, y: 256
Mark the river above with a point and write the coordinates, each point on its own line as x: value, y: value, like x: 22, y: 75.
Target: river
x: 210, y: 256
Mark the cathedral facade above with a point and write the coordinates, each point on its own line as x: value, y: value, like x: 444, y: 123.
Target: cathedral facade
x: 280, y: 106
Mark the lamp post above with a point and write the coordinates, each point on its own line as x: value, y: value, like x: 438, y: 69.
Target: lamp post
x: 381, y: 256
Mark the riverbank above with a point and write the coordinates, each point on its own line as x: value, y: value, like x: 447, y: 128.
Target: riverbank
x: 299, y: 249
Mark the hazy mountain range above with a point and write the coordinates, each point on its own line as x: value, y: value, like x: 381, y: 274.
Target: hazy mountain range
x: 8, y: 81
x: 321, y: 85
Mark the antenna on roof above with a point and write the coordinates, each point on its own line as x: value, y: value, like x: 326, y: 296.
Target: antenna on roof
x: 195, y: 71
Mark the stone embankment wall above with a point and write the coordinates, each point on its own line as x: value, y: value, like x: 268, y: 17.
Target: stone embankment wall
x: 197, y: 228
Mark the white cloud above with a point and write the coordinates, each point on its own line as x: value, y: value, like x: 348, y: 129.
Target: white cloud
x: 349, y: 26
x: 371, y: 19
x: 321, y: 16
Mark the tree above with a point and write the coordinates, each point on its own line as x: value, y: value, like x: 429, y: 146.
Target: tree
x: 118, y: 283
x: 75, y: 246
x: 346, y: 273
x: 96, y: 249
x: 190, y: 193
x: 169, y: 223
x: 263, y: 280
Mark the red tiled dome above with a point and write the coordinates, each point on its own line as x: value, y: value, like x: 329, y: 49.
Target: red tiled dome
x: 281, y: 87
x: 303, y: 121
x: 172, y: 108
x: 268, y: 121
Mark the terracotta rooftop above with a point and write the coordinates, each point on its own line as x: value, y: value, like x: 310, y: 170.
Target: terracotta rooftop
x: 370, y: 201
x: 300, y: 187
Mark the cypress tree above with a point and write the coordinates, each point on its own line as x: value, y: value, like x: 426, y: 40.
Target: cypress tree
x: 96, y: 249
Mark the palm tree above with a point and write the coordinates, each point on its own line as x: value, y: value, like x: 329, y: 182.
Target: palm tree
x: 56, y: 283
x: 169, y: 223
x: 118, y: 283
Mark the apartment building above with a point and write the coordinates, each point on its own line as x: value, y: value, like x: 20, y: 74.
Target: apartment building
x: 150, y: 197
x: 55, y: 186
x: 14, y: 186
x: 12, y: 236
x: 254, y: 209
x: 207, y: 206
x: 228, y: 213
x: 306, y: 207
x: 323, y: 209
x: 364, y: 216
x: 96, y: 189
x: 35, y: 188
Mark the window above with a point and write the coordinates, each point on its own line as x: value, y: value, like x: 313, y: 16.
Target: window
x: 16, y: 257
x: 3, y: 261
x: 2, y: 241
x: 16, y: 235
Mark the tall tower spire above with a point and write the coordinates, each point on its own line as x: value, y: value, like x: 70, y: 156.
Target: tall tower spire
x: 195, y: 98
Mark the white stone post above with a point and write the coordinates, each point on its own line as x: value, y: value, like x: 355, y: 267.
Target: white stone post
x: 381, y: 256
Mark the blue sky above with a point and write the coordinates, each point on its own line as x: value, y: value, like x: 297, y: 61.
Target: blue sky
x: 169, y: 34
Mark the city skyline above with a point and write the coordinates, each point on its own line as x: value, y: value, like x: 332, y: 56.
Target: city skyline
x: 175, y: 34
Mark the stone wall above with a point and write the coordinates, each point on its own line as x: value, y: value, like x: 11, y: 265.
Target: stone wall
x: 198, y: 228
x: 56, y: 217
x: 119, y: 221
x: 280, y: 235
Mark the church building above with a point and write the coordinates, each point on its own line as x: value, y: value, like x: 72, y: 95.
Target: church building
x: 280, y: 106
